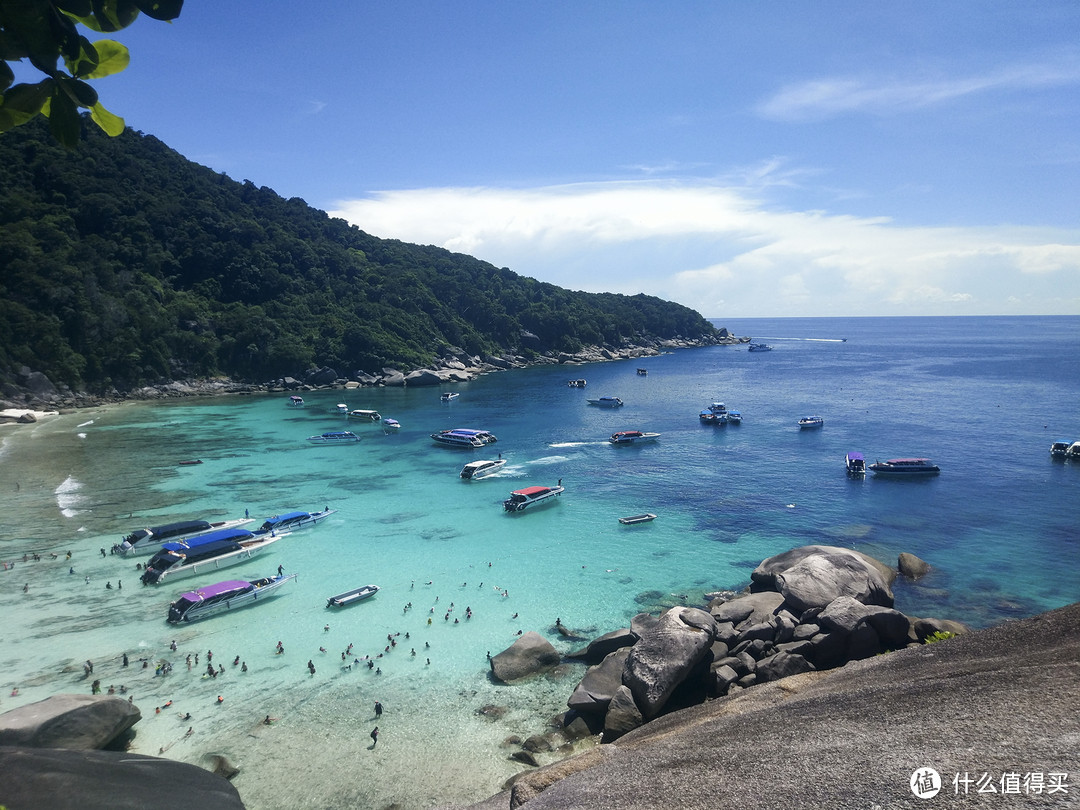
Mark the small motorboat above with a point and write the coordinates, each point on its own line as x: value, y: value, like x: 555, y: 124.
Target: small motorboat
x: 642, y: 371
x: 808, y: 422
x: 355, y: 595
x: 632, y: 437
x: 577, y: 383
x: 365, y: 416
x: 734, y: 417
x: 606, y: 402
x: 855, y: 463
x: 341, y: 409
x: 522, y: 499
x: 760, y: 347
x: 390, y: 425
x: 905, y: 467
x: 635, y: 519
x: 295, y: 402
x: 191, y: 462
x: 334, y: 437
x: 449, y: 396
x: 481, y: 469
x: 224, y: 596
x: 1059, y: 449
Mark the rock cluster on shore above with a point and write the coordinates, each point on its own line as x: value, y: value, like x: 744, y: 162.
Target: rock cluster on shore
x: 32, y: 390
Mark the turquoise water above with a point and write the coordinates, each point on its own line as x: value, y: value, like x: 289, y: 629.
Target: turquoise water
x: 982, y: 397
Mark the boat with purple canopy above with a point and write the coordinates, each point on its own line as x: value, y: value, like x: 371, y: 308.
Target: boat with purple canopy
x: 222, y: 596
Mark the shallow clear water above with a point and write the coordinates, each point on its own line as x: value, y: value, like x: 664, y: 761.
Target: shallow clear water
x: 982, y: 397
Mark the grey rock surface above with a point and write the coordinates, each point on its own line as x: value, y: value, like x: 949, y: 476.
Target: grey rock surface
x: 68, y: 721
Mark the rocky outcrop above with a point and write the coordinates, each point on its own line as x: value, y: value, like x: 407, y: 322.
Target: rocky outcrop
x: 52, y: 779
x: 911, y: 566
x: 1004, y: 698
x: 597, y: 649
x: 813, y: 576
x: 600, y: 683
x: 531, y: 654
x: 68, y: 721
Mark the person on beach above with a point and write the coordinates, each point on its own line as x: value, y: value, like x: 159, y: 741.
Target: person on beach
x: 311, y: 667
x: 374, y: 736
x: 190, y: 731
x: 125, y: 660
x: 378, y: 709
x: 243, y: 666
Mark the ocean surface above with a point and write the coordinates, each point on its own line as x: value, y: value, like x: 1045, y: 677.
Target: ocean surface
x: 981, y: 397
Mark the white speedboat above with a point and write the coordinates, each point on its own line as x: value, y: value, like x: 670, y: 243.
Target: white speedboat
x: 181, y: 561
x: 449, y: 396
x: 231, y: 594
x: 1060, y: 449
x: 855, y: 464
x: 734, y: 417
x: 152, y: 538
x: 365, y: 416
x: 295, y: 402
x: 334, y: 437
x: 905, y: 467
x: 390, y: 425
x: 482, y: 469
x: 291, y: 521
x: 341, y: 409
x: 606, y: 402
x: 522, y: 499
x: 632, y: 437
x: 464, y: 437
x: 811, y: 422
x: 355, y: 595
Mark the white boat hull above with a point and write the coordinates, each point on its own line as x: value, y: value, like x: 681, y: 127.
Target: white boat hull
x: 217, y: 563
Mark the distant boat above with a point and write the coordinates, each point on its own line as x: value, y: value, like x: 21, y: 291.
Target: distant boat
x: 224, y: 596
x: 151, y: 539
x: 632, y: 437
x: 642, y: 371
x: 811, y: 422
x: 295, y: 402
x: 365, y: 416
x: 334, y: 437
x: 760, y: 347
x: 1059, y: 449
x: 734, y: 417
x: 390, y: 425
x: 464, y: 437
x: 577, y: 383
x: 716, y: 414
x: 606, y: 402
x: 475, y: 470
x: 905, y: 467
x: 355, y: 595
x: 341, y: 409
x: 191, y: 462
x: 855, y: 463
x: 521, y: 499
x: 633, y: 519
x: 449, y: 396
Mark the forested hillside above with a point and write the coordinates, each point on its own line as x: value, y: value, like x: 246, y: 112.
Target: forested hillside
x: 122, y: 263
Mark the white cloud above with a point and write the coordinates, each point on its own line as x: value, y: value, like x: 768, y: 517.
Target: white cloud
x: 719, y: 250
x: 828, y: 97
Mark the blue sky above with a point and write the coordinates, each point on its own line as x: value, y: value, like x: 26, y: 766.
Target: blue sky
x: 745, y: 159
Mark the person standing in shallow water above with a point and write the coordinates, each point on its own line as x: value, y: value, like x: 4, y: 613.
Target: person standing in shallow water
x: 374, y: 736
x: 378, y: 709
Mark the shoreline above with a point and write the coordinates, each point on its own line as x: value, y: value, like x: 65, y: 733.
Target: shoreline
x: 43, y: 399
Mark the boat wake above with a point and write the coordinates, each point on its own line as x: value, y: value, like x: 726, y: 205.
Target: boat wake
x: 549, y: 460
x: 84, y: 424
x: 68, y: 497
x: 571, y: 444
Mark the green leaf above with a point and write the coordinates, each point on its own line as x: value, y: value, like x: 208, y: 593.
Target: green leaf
x: 160, y: 9
x: 64, y: 121
x: 111, y: 124
x: 112, y: 58
x: 85, y: 62
x: 6, y: 76
x: 74, y: 8
x: 112, y: 15
x: 11, y: 48
x: 22, y: 102
x: 80, y: 92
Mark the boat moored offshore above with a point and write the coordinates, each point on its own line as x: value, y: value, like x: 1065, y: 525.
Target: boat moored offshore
x: 464, y: 437
x: 224, y: 596
x: 522, y: 499
x: 152, y: 538
x: 1060, y: 448
x: 181, y: 561
x: 481, y: 469
x: 632, y: 437
x: 905, y: 467
x: 606, y: 402
x: 335, y: 437
x: 808, y: 422
x: 353, y: 596
x: 855, y: 464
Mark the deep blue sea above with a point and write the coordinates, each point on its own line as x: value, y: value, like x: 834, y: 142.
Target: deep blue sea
x: 982, y: 397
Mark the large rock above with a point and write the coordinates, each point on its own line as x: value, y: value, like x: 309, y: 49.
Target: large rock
x: 753, y: 607
x: 52, y: 779
x: 392, y: 377
x: 1004, y: 698
x: 424, y: 376
x: 911, y: 566
x: 529, y: 655
x: 68, y: 721
x: 597, y: 649
x: 622, y: 716
x: 764, y: 576
x: 665, y: 655
x: 596, y: 689
x: 782, y: 665
x: 818, y: 579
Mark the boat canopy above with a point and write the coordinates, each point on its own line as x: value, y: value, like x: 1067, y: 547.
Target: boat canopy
x: 218, y: 588
x: 170, y: 530
x: 209, y: 537
x: 529, y: 492
x: 274, y: 522
x: 855, y: 456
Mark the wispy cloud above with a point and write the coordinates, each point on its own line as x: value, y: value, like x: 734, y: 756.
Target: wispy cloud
x: 718, y: 249
x: 828, y: 97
